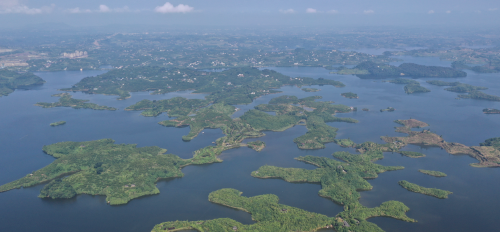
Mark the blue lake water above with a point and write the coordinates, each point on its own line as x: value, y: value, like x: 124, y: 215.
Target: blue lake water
x: 473, y: 205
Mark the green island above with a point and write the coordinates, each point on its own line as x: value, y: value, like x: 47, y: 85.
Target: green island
x: 66, y: 100
x: 491, y: 111
x: 121, y: 172
x: 340, y: 181
x: 488, y: 153
x: 433, y: 173
x: 310, y: 90
x: 10, y: 80
x: 272, y: 216
x: 232, y: 86
x: 174, y: 107
x: 388, y: 109
x: 411, y: 154
x: 369, y: 69
x: 411, y: 86
x: 472, y: 91
x: 427, y: 191
x: 257, y: 145
x: 349, y: 95
x: 58, y: 123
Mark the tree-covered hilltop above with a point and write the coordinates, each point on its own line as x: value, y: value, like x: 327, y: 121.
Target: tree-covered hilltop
x: 427, y: 191
x: 494, y: 142
x: 66, y: 100
x: 350, y: 95
x: 232, y: 86
x: 270, y: 216
x: 121, y: 172
x: 341, y: 181
x: 174, y: 107
x: 10, y: 80
x: 411, y: 86
x: 369, y: 69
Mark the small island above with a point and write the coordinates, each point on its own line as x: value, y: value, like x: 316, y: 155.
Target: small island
x: 66, y: 100
x: 350, y: 95
x: 412, y: 154
x: 388, y: 109
x: 310, y: 90
x: 366, y: 109
x: 491, y: 111
x: 432, y: 173
x: 256, y: 145
x: 411, y: 86
x: 426, y: 191
x: 58, y: 123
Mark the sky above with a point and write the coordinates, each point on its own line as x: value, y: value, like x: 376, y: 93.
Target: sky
x: 16, y: 13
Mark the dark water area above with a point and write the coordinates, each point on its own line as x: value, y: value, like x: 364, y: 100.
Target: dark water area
x: 472, y: 206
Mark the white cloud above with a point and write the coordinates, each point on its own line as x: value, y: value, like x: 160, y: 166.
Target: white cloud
x: 333, y: 11
x: 368, y: 12
x: 169, y: 8
x: 430, y: 12
x: 289, y: 11
x: 311, y: 10
x: 77, y: 10
x: 13, y: 6
x: 448, y: 11
x: 104, y: 8
x: 493, y: 9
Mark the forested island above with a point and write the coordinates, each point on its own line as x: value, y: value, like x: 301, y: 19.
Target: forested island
x: 270, y: 216
x: 310, y: 90
x: 473, y: 91
x: 491, y: 111
x: 412, y: 154
x: 427, y: 191
x: 488, y: 153
x: 433, y: 173
x: 10, y: 80
x: 174, y: 107
x: 232, y: 86
x: 256, y: 145
x: 66, y: 100
x: 411, y: 86
x: 349, y: 95
x: 372, y: 70
x: 58, y: 123
x: 340, y: 181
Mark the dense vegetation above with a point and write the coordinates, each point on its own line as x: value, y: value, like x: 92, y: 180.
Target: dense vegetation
x: 310, y: 90
x: 121, y: 172
x: 175, y: 107
x: 412, y: 154
x: 58, y: 123
x: 66, y: 100
x: 232, y: 86
x: 349, y: 95
x: 411, y: 86
x: 340, y: 182
x: 473, y: 91
x: 270, y: 216
x: 494, y: 142
x: 433, y: 173
x: 10, y: 80
x: 406, y: 69
x: 427, y: 191
x: 257, y: 145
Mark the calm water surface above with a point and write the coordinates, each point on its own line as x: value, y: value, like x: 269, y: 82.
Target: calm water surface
x: 473, y: 205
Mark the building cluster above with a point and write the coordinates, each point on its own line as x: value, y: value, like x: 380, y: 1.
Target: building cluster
x: 76, y: 54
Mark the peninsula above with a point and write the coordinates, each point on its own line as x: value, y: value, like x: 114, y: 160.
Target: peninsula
x: 473, y: 92
x: 10, y: 80
x: 256, y: 145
